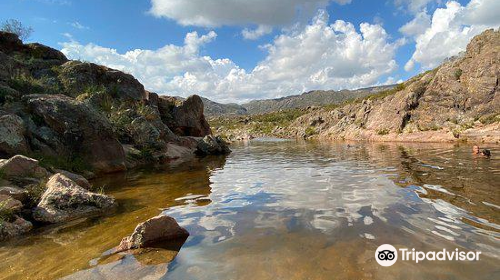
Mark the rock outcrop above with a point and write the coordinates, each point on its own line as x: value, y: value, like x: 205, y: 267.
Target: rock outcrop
x: 152, y: 232
x: 458, y: 101
x: 20, y: 166
x: 80, y: 115
x: 64, y: 200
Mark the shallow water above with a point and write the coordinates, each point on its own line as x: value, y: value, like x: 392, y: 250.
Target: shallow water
x: 287, y: 210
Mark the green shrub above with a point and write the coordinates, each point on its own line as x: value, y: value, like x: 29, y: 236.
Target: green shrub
x: 458, y: 74
x: 310, y: 131
x: 383, y: 131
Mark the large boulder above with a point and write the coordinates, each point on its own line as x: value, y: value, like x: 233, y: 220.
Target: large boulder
x: 12, y: 140
x: 83, y: 131
x: 152, y: 232
x: 78, y: 77
x: 64, y: 200
x: 211, y: 145
x: 19, y: 166
x: 185, y: 119
x: 13, y: 228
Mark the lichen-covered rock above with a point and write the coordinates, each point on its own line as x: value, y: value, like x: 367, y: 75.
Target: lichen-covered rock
x: 82, y: 130
x: 12, y: 140
x: 152, y: 232
x: 78, y: 179
x: 17, y: 226
x: 20, y: 166
x: 77, y: 77
x: 64, y: 200
x: 211, y: 145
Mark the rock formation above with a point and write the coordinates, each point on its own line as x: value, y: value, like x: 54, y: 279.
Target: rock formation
x: 80, y: 116
x: 459, y: 100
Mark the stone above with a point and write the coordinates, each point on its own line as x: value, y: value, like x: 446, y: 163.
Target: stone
x: 211, y: 145
x: 77, y: 76
x: 78, y: 179
x: 18, y: 226
x: 14, y: 192
x: 10, y: 204
x: 12, y: 140
x: 64, y: 200
x: 82, y: 130
x: 20, y: 166
x: 152, y: 232
x: 185, y: 119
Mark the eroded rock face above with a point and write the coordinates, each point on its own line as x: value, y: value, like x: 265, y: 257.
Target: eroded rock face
x: 212, y: 145
x: 83, y: 130
x: 12, y: 140
x: 64, y: 200
x: 20, y: 166
x: 152, y: 232
x: 78, y: 76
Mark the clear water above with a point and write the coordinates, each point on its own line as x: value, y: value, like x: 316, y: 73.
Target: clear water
x: 287, y: 210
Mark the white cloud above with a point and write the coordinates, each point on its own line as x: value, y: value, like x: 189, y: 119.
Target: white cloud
x: 238, y: 12
x: 316, y: 56
x: 78, y: 25
x: 418, y: 25
x: 451, y: 28
x: 260, y: 31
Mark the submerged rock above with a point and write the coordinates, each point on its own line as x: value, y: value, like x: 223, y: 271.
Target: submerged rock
x: 65, y: 200
x: 152, y: 232
x: 211, y: 145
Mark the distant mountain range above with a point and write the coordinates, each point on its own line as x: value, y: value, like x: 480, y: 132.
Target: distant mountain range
x: 304, y: 100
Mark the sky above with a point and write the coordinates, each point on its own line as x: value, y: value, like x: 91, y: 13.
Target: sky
x: 241, y: 50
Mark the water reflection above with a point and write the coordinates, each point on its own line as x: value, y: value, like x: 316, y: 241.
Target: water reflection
x: 287, y: 210
x: 141, y: 195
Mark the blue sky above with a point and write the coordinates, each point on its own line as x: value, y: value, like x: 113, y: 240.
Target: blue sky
x: 223, y: 65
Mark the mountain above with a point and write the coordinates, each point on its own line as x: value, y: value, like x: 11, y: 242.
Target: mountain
x: 307, y: 99
x: 212, y: 108
x: 311, y: 98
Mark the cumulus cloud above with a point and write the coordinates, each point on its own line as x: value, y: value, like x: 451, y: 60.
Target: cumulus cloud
x: 418, y: 25
x: 237, y: 12
x: 260, y: 31
x: 316, y: 56
x: 450, y: 30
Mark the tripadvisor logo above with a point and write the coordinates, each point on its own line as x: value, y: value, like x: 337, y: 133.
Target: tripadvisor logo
x: 387, y: 255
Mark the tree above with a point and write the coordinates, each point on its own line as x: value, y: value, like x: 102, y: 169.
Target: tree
x: 16, y: 27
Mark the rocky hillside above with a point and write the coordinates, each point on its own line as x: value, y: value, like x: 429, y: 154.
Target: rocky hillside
x: 308, y: 99
x: 302, y: 101
x: 459, y: 100
x: 81, y: 116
